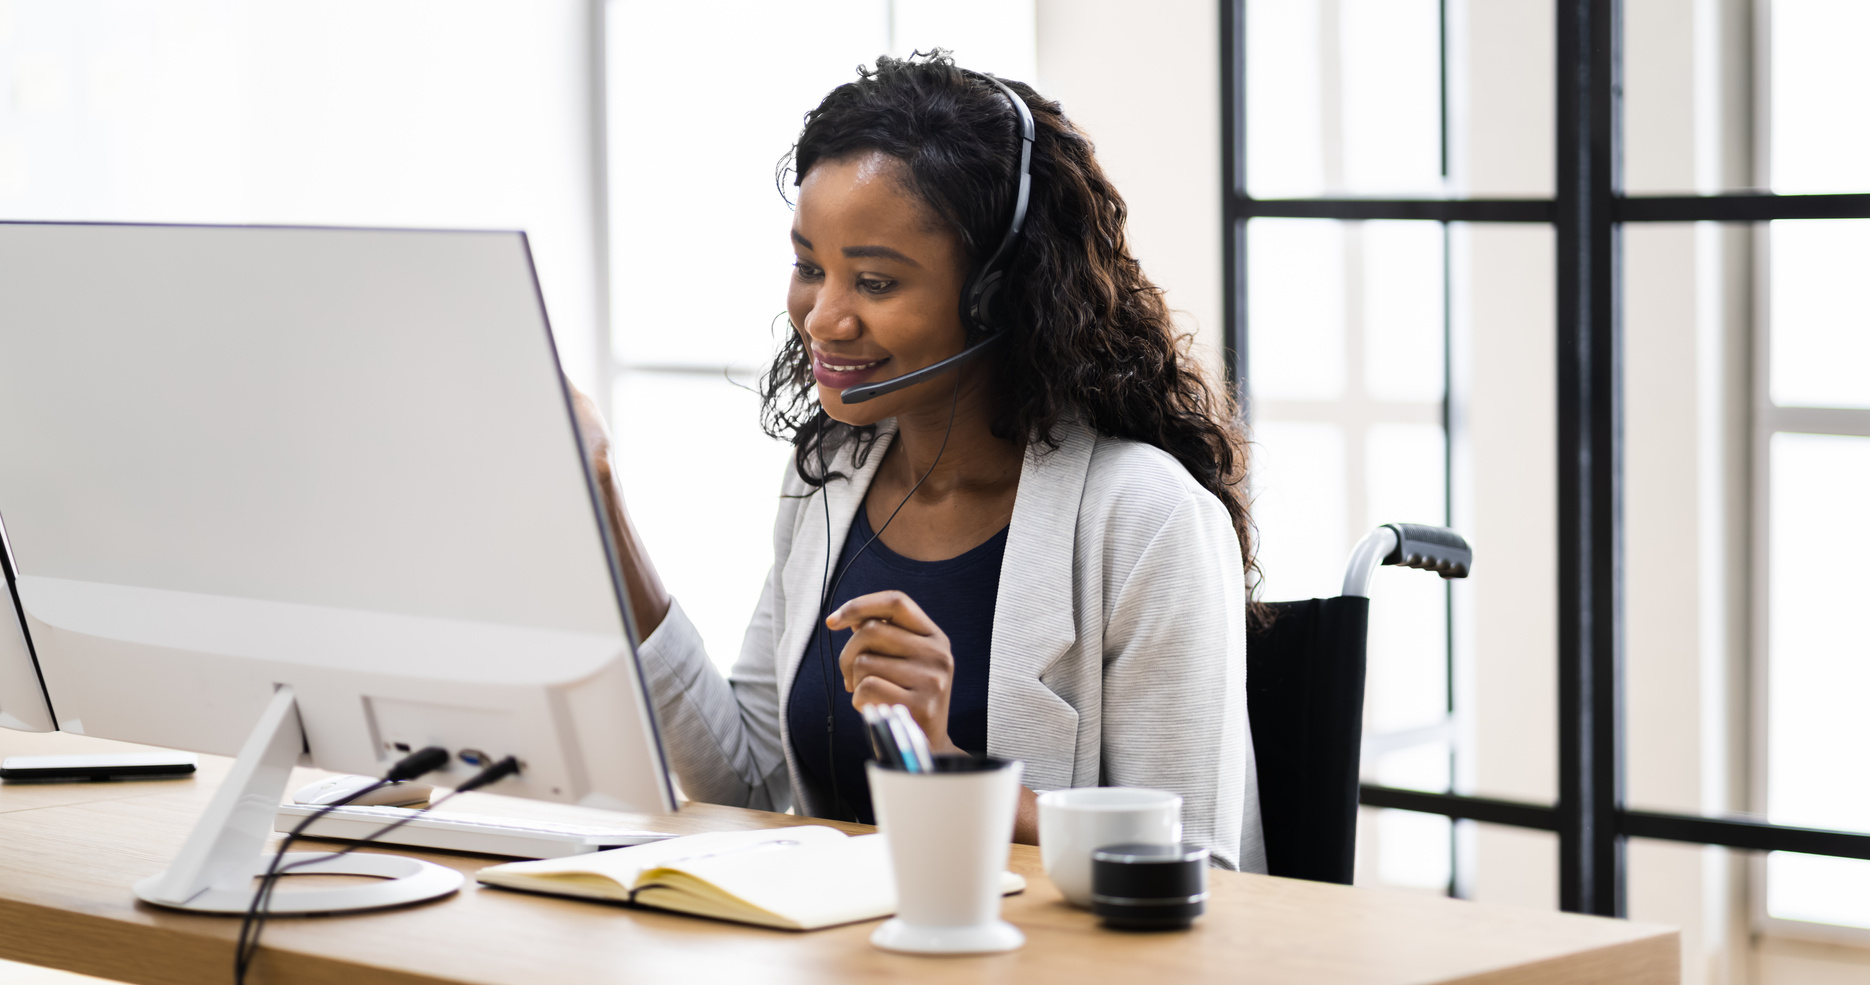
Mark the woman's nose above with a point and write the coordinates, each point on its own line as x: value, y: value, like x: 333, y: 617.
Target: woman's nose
x: 832, y: 315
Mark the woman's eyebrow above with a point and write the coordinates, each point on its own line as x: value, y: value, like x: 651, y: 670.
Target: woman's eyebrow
x: 802, y: 241
x: 878, y: 253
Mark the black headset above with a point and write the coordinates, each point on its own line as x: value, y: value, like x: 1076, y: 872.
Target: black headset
x: 977, y: 299
x: 978, y: 295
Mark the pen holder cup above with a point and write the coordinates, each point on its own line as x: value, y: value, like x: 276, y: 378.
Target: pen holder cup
x: 949, y: 834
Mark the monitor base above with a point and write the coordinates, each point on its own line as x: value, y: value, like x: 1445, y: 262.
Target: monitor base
x: 406, y: 880
x: 214, y: 871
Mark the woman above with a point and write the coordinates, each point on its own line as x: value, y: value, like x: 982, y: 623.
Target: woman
x: 1041, y: 554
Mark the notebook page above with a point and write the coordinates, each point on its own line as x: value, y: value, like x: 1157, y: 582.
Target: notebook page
x: 811, y: 886
x: 623, y: 865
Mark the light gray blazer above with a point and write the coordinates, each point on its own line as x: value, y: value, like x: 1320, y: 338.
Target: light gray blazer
x: 1119, y: 644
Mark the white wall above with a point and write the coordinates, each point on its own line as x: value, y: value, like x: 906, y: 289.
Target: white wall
x: 1686, y: 313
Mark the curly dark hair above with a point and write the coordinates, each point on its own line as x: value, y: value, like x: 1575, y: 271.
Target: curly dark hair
x: 1085, y: 332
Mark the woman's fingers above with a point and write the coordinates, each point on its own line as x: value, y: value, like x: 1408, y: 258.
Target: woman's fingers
x: 877, y: 691
x: 930, y: 713
x: 885, y: 641
x: 892, y: 607
x: 925, y: 675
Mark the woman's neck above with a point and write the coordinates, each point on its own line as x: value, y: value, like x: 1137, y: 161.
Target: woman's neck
x: 965, y: 458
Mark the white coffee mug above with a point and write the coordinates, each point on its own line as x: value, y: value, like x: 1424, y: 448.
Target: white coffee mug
x: 949, y: 835
x: 1074, y: 823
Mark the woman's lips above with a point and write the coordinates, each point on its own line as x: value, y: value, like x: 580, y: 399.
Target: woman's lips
x: 842, y: 373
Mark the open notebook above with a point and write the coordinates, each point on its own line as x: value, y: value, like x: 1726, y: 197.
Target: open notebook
x: 797, y: 878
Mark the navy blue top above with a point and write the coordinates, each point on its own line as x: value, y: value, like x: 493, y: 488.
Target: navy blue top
x: 958, y: 594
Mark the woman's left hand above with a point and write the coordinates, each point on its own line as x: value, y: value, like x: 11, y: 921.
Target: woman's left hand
x: 897, y: 656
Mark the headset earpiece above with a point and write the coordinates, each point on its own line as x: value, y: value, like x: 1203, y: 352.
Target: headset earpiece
x: 977, y: 312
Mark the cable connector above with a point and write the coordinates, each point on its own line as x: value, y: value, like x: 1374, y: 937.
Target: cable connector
x: 419, y: 763
x: 498, y: 771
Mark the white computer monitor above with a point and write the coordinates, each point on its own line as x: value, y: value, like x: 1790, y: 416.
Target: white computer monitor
x: 237, y: 462
x: 22, y: 695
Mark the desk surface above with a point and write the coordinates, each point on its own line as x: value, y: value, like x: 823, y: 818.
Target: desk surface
x: 72, y: 852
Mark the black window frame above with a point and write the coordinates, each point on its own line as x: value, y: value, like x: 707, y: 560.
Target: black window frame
x: 1588, y: 212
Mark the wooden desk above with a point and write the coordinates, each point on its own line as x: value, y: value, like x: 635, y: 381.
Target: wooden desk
x: 71, y: 853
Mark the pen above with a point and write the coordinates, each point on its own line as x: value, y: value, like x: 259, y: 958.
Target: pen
x: 918, y: 741
x: 882, y: 744
x: 913, y: 741
x: 899, y: 739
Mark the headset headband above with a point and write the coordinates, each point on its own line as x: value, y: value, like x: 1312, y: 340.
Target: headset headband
x: 1028, y: 132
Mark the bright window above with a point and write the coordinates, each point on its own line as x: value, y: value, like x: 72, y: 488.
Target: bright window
x: 1814, y: 426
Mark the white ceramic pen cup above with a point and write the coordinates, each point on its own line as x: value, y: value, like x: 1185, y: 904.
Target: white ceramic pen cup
x: 1074, y: 823
x: 949, y: 834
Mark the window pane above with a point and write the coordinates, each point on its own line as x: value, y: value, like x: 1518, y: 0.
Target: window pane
x: 1295, y: 309
x: 1299, y: 507
x: 1409, y: 850
x: 1818, y: 889
x: 1820, y: 313
x: 1819, y: 647
x: 1414, y: 850
x: 706, y: 519
x: 1343, y: 97
x: 1284, y: 99
x: 1406, y: 475
x: 1408, y: 637
x: 1403, y: 311
x: 1820, y: 96
x: 1391, y: 58
x: 1346, y: 339
x: 1418, y: 767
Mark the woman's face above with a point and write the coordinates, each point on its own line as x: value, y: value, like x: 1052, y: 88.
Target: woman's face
x: 876, y: 292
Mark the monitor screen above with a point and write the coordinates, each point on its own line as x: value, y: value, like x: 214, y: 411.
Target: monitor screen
x: 234, y: 458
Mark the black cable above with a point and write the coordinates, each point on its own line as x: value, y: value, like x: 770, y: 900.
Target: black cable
x: 247, y: 945
x: 824, y: 635
x: 263, y: 898
x: 824, y: 602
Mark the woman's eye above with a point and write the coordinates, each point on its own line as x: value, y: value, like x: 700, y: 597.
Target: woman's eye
x: 807, y: 271
x: 873, y: 286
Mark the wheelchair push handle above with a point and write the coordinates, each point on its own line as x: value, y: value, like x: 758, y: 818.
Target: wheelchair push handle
x: 1410, y: 545
x: 1436, y: 549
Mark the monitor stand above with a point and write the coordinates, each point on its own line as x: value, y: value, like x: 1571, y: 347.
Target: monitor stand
x: 215, y: 871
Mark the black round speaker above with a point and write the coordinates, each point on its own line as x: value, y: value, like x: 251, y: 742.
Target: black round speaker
x: 1149, y: 887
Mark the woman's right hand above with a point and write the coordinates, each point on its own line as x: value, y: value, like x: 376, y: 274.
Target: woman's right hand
x: 649, y: 601
x: 595, y: 436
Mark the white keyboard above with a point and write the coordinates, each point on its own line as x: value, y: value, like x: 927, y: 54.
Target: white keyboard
x: 454, y: 832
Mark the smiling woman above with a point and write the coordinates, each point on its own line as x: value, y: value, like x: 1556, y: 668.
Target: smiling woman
x: 1042, y: 553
